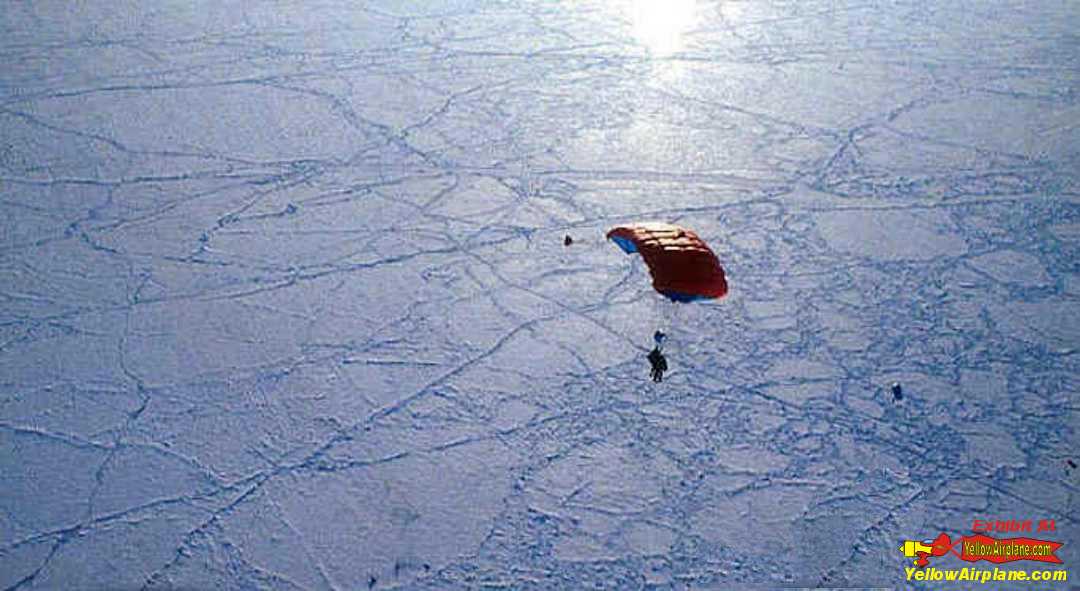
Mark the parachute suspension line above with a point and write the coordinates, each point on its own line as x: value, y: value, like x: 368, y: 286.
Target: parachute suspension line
x: 657, y: 320
x: 667, y: 315
x: 661, y: 313
x: 675, y: 323
x: 669, y: 308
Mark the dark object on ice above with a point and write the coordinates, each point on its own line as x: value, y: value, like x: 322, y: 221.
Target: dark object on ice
x: 659, y: 364
x: 897, y: 392
x: 1071, y: 464
x: 659, y: 337
x: 567, y: 241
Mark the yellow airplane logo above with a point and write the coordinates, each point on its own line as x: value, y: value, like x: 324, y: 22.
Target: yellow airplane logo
x: 922, y: 551
x: 912, y: 547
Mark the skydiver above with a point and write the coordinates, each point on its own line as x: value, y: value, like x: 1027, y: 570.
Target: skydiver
x: 659, y: 364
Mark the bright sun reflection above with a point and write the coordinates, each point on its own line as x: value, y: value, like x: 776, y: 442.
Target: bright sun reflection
x: 660, y: 25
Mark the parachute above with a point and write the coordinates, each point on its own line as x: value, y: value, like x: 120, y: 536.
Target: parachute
x: 683, y: 267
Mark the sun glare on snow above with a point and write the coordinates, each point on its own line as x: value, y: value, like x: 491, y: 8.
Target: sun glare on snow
x: 661, y: 26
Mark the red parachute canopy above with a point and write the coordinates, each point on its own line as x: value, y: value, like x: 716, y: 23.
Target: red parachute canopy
x: 683, y: 267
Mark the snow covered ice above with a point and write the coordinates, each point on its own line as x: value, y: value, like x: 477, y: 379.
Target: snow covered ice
x: 287, y: 305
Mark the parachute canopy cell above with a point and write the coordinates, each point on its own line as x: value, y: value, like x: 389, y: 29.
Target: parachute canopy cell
x: 683, y: 267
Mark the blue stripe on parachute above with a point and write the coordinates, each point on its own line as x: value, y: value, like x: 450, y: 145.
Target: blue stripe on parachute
x: 683, y: 297
x: 627, y: 245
